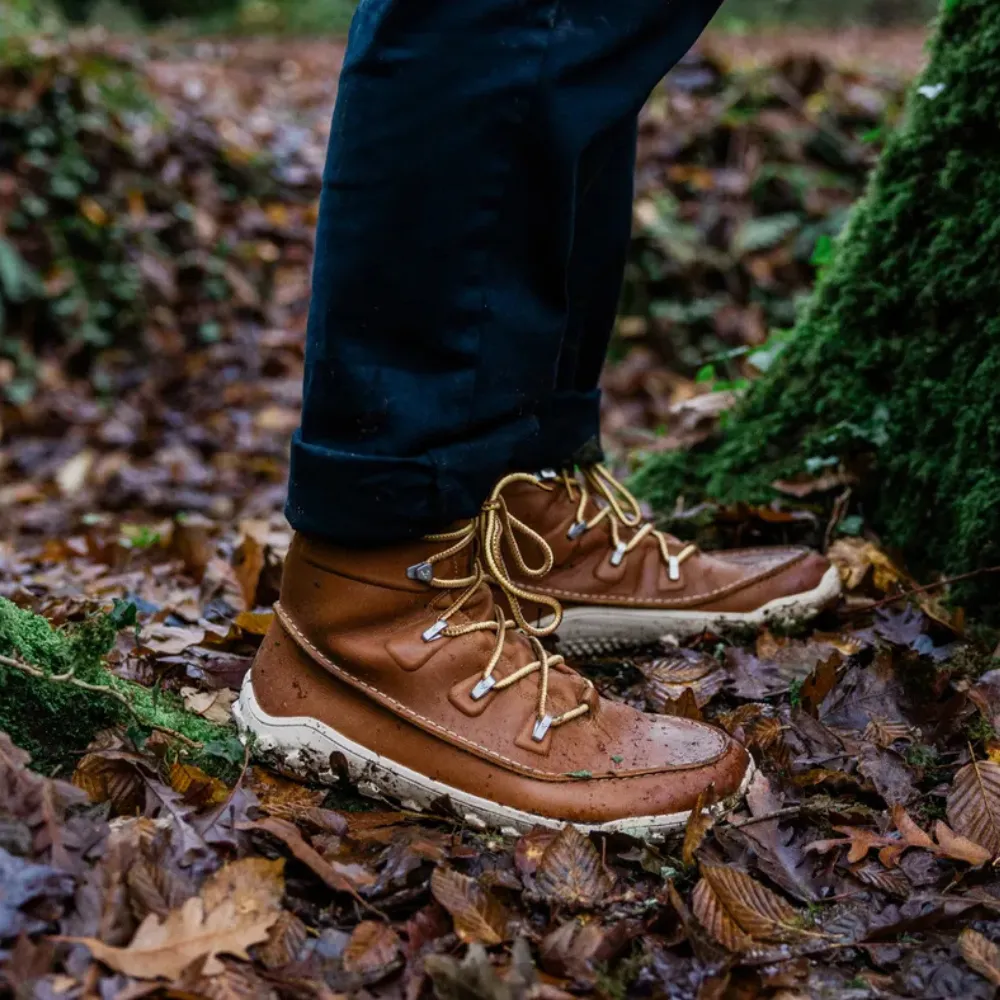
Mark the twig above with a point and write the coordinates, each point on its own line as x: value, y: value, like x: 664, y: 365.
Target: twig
x: 929, y: 586
x: 68, y: 678
x: 785, y: 813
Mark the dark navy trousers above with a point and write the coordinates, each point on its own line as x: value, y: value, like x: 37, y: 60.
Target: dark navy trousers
x: 473, y: 229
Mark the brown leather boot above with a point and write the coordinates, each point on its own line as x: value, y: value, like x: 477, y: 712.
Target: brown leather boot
x: 397, y: 667
x: 624, y: 584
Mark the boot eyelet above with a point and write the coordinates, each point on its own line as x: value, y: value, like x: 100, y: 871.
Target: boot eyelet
x: 618, y: 555
x: 434, y: 632
x: 542, y: 726
x: 483, y: 688
x: 548, y: 474
x: 576, y: 529
x: 674, y: 568
x: 424, y: 572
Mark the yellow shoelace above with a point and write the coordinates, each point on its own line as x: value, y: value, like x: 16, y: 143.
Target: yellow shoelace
x: 488, y: 531
x: 617, y: 506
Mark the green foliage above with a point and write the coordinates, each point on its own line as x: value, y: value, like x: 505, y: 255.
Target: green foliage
x: 896, y: 361
x: 54, y: 720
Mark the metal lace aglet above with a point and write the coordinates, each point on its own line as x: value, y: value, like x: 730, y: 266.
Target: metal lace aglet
x: 424, y: 572
x: 434, y: 632
x: 548, y: 474
x: 674, y: 570
x: 618, y: 555
x: 576, y: 529
x: 542, y: 726
x: 483, y: 688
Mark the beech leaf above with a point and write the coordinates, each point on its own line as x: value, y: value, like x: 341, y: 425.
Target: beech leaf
x: 478, y: 915
x: 974, y: 804
x: 570, y: 871
x: 759, y: 913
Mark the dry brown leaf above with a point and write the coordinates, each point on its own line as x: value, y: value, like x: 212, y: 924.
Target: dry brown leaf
x: 699, y: 823
x: 760, y: 913
x: 854, y: 558
x: 284, y: 942
x: 216, y: 706
x: 981, y: 953
x: 254, y: 622
x: 111, y: 779
x: 373, y: 947
x: 820, y: 683
x: 713, y: 916
x: 910, y: 832
x: 478, y: 915
x: 248, y: 564
x: 570, y: 871
x: 199, y: 789
x: 163, y: 949
x: 859, y: 841
x: 960, y: 848
x: 255, y: 885
x: 340, y: 878
x: 974, y: 804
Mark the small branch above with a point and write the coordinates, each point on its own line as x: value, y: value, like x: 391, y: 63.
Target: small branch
x: 787, y: 813
x: 68, y: 678
x: 930, y: 586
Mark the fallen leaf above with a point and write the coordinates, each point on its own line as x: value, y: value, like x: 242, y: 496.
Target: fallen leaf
x: 571, y: 872
x: 981, y: 953
x: 340, y: 878
x: 479, y: 916
x: 974, y: 804
x: 699, y: 823
x: 758, y: 912
x: 716, y: 919
x: 216, y: 706
x: 374, y: 947
x: 163, y: 949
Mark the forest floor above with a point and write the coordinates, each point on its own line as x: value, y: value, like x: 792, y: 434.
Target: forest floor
x: 862, y: 863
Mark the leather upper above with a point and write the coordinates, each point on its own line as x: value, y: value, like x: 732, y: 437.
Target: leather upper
x: 584, y: 571
x: 348, y: 650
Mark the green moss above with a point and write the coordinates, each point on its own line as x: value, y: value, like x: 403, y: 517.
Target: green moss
x: 896, y: 360
x: 55, y: 721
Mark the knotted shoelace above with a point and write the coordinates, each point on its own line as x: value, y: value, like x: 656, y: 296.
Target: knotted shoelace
x: 619, y: 508
x: 485, y: 534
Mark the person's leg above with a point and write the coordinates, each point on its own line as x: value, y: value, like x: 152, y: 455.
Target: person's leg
x: 448, y: 228
x: 602, y: 232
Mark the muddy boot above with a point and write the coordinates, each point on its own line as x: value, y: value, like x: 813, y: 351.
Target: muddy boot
x: 397, y: 668
x: 624, y: 584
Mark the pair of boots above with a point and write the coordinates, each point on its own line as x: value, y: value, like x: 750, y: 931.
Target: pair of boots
x: 419, y: 670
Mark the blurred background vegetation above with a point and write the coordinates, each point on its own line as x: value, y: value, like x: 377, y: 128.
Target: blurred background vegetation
x: 312, y: 16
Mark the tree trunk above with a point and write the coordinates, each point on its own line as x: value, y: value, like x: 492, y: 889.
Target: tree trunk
x: 895, y: 364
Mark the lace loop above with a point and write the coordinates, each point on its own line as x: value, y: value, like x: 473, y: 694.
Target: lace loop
x: 485, y: 535
x: 619, y: 507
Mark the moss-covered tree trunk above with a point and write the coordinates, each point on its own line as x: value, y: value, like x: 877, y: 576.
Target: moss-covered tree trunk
x: 897, y: 358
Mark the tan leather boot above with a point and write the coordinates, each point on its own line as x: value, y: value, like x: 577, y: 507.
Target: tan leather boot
x: 624, y: 584
x: 397, y: 667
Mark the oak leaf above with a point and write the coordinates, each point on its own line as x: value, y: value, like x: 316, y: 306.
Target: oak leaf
x: 571, y: 872
x: 478, y: 915
x: 974, y: 804
x: 164, y: 949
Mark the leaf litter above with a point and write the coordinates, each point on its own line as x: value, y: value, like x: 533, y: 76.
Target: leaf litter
x: 862, y: 863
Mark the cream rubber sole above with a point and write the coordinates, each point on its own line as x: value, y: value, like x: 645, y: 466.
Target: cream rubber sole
x: 599, y: 629
x: 304, y: 747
